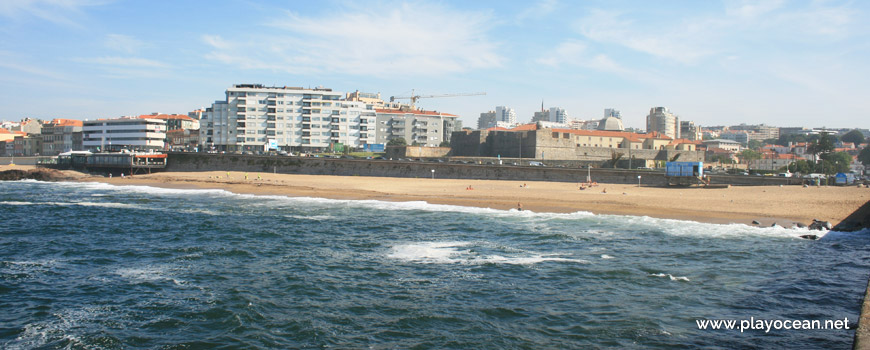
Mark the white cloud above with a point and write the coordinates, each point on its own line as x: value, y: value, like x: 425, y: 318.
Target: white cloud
x: 406, y: 39
x: 124, y: 43
x: 751, y: 8
x: 12, y: 62
x: 128, y: 62
x: 684, y: 42
x: 62, y: 12
x: 538, y: 10
x: 577, y: 53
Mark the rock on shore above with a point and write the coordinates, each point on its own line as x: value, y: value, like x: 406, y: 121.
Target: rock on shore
x: 40, y: 174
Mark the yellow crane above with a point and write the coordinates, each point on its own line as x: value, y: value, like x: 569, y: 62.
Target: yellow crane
x: 414, y: 97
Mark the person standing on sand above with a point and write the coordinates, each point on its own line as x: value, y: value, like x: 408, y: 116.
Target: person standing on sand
x: 519, y: 206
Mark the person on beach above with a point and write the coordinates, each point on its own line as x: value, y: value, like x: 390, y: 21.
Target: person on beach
x: 519, y: 206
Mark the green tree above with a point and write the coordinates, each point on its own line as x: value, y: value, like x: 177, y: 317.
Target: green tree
x: 864, y: 156
x: 754, y: 144
x: 823, y: 145
x: 800, y: 166
x: 399, y: 141
x: 748, y: 155
x: 825, y: 167
x: 840, y: 161
x: 854, y: 136
x: 444, y: 144
x: 721, y: 158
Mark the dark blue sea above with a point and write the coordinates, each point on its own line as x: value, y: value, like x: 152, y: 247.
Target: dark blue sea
x: 95, y: 266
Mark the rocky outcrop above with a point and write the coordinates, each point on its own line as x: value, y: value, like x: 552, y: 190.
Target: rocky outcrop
x: 820, y: 225
x: 40, y: 174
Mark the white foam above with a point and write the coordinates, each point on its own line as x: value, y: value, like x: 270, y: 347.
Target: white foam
x: 449, y: 253
x: 16, y: 203
x: 310, y: 217
x: 528, y: 260
x: 669, y: 226
x: 605, y: 256
x: 428, y: 252
x: 149, y: 274
x: 683, y: 279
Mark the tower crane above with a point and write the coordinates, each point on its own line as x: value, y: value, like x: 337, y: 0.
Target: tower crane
x: 414, y: 97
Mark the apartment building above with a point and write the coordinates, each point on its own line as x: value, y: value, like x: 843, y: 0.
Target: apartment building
x: 61, y: 135
x: 660, y: 119
x: 425, y: 128
x: 129, y: 133
x: 255, y: 117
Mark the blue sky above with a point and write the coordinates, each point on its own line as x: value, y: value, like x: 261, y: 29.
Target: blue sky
x: 784, y: 63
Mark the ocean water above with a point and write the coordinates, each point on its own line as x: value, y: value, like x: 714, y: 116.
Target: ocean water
x: 95, y: 266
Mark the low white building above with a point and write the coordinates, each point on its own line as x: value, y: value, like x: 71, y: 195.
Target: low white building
x: 728, y: 145
x: 123, y: 133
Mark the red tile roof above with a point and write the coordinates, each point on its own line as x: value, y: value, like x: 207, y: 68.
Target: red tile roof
x: 66, y: 122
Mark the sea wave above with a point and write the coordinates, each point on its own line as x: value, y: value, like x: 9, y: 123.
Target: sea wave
x: 672, y: 277
x: 668, y: 226
x: 450, y: 253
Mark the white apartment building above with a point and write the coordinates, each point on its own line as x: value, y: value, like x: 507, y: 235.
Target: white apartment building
x: 254, y: 116
x: 553, y: 115
x: 506, y: 115
x: 123, y: 133
x: 660, y: 119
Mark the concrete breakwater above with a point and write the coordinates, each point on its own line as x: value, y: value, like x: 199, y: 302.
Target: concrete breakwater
x: 387, y: 168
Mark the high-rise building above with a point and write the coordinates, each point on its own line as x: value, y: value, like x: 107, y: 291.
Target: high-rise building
x: 690, y: 131
x: 506, y: 115
x: 486, y: 120
x: 558, y: 115
x: 253, y: 117
x: 661, y: 120
x: 612, y: 113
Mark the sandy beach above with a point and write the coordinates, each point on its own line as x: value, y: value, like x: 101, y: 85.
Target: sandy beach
x: 737, y: 204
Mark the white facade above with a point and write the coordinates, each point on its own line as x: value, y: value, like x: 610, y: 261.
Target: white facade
x: 127, y: 133
x: 660, y: 119
x: 253, y: 115
x: 558, y: 115
x: 506, y: 115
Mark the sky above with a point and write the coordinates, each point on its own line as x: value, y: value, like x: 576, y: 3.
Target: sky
x: 777, y: 62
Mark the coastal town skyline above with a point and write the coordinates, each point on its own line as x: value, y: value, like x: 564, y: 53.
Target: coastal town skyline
x: 725, y: 63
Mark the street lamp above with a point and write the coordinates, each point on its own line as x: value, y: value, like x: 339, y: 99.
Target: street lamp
x: 433, y: 174
x: 638, y: 181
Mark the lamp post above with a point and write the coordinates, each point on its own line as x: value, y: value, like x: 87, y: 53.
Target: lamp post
x: 638, y: 181
x: 433, y: 174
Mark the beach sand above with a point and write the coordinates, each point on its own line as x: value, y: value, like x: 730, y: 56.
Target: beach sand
x: 737, y: 204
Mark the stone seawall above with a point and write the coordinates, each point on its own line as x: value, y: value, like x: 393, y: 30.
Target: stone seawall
x: 385, y: 168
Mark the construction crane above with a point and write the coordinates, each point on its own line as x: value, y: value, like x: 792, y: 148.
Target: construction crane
x: 414, y: 97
